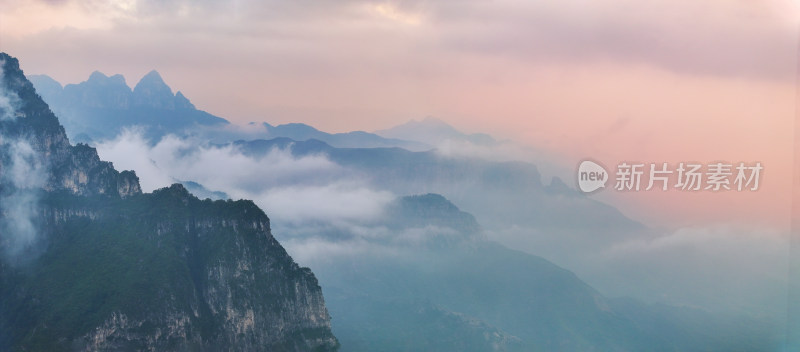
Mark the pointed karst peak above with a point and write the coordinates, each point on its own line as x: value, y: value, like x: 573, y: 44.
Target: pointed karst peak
x: 153, y: 75
x: 99, y: 78
x: 118, y: 79
x: 152, y: 81
x: 151, y: 91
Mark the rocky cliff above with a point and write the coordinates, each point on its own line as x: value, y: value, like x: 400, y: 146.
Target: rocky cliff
x: 28, y: 125
x: 101, y: 266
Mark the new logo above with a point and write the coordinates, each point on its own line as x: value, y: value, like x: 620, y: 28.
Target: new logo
x: 591, y: 176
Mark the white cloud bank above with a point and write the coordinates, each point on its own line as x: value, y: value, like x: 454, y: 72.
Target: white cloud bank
x: 288, y: 188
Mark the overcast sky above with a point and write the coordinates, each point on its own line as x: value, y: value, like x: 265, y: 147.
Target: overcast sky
x: 612, y: 80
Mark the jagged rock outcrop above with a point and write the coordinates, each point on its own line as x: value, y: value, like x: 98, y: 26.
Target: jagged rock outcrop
x: 29, y: 121
x: 153, y: 92
x: 103, y: 106
x: 99, y: 91
x: 112, y: 92
x: 110, y: 268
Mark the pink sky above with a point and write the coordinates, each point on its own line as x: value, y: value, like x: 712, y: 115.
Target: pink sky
x: 653, y: 81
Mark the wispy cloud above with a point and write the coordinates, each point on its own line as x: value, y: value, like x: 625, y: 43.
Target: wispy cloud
x: 23, y: 173
x: 293, y: 189
x: 9, y: 101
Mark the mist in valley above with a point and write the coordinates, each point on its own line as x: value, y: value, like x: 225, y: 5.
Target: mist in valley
x: 346, y: 214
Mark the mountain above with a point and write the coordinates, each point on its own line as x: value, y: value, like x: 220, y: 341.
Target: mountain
x: 433, y: 131
x: 30, y: 131
x: 151, y: 91
x: 355, y: 139
x: 201, y: 192
x: 88, y: 262
x: 501, y: 194
x: 100, y: 107
x: 434, y: 282
x: 521, y: 210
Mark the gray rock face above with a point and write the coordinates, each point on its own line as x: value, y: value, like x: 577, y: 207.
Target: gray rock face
x: 240, y: 291
x: 128, y: 184
x: 162, y: 271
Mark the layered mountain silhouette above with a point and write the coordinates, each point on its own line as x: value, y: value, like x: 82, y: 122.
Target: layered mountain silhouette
x: 433, y: 131
x: 435, y: 283
x: 355, y: 139
x: 431, y: 280
x: 90, y: 263
x: 102, y: 106
x: 477, y: 185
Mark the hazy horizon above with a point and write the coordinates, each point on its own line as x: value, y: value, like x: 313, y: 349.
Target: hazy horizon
x: 656, y: 82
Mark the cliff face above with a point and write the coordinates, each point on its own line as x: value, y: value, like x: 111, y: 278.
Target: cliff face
x: 114, y: 269
x: 25, y: 119
x: 162, y: 271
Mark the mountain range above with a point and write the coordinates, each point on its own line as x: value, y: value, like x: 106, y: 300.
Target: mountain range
x: 478, y: 186
x: 436, y: 283
x: 433, y: 131
x: 102, y: 106
x: 90, y: 263
x: 427, y: 274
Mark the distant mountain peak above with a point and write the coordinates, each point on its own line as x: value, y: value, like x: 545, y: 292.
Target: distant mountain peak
x: 35, y: 124
x: 118, y: 79
x: 78, y: 188
x: 431, y: 209
x: 152, y: 81
x: 46, y: 83
x: 97, y: 76
x: 153, y: 92
x: 433, y: 199
x: 101, y: 106
x: 153, y: 75
x: 433, y: 131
